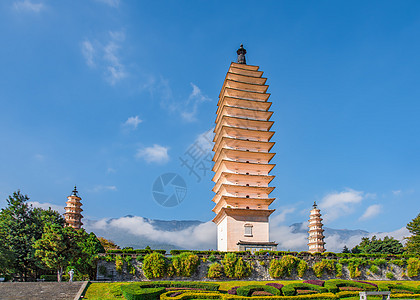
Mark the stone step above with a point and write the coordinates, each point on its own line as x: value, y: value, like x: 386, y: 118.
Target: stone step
x: 40, y: 290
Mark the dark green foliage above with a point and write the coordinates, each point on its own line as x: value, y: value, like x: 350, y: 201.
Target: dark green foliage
x: 389, y: 275
x: 413, y: 242
x: 215, y: 270
x: 212, y: 258
x: 354, y: 264
x: 154, y: 265
x: 345, y: 250
x: 247, y: 291
x: 199, y: 252
x: 388, y: 245
x: 185, y: 264
x: 374, y: 269
x: 290, y: 289
x: 136, y: 292
x: 48, y: 277
x: 399, y: 262
x: 380, y: 262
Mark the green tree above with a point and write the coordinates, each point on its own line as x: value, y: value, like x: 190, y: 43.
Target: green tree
x: 388, y: 245
x: 345, y: 250
x: 54, y: 249
x: 18, y: 233
x: 413, y: 242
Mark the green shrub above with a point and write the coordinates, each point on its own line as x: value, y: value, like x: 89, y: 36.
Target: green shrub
x: 119, y: 263
x: 215, y: 270
x: 140, y: 258
x: 379, y: 262
x: 338, y: 270
x: 242, y: 268
x: 290, y: 289
x: 301, y: 268
x: 353, y: 265
x: 389, y: 275
x: 374, y: 269
x: 154, y: 265
x: 399, y: 262
x: 129, y: 266
x: 235, y: 267
x: 262, y: 263
x: 185, y: 264
x: 283, y: 267
x: 413, y: 267
x: 247, y: 291
x: 228, y: 263
x: 136, y: 292
x: 212, y: 258
x: 326, y: 265
x: 109, y: 258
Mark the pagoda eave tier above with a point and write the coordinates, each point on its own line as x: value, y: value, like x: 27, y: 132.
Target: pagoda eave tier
x: 242, y: 112
x: 242, y: 133
x: 235, y: 69
x: 236, y: 188
x: 241, y: 202
x: 243, y: 86
x: 246, y: 95
x: 232, y: 177
x: 243, y: 103
x: 265, y: 213
x: 243, y: 167
x: 242, y: 155
x: 239, y: 144
x: 245, y: 78
x: 243, y: 123
x: 317, y: 243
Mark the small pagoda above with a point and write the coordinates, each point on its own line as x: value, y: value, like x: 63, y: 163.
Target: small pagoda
x: 73, y: 216
x: 242, y: 160
x: 316, y: 236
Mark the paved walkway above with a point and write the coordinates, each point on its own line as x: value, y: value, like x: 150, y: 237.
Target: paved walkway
x: 39, y: 290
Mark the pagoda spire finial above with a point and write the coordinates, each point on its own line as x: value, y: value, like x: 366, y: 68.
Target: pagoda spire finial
x: 314, y: 204
x: 75, y: 192
x: 241, y: 55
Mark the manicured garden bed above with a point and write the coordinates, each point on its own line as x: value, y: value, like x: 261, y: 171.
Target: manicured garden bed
x: 252, y: 290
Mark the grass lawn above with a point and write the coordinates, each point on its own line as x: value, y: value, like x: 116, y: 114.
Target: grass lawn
x: 111, y: 290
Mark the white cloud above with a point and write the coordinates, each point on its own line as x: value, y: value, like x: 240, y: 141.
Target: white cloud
x: 102, y: 188
x: 396, y: 193
x: 288, y: 240
x: 196, y: 97
x: 106, y: 56
x: 112, y: 3
x: 337, y: 204
x: 154, y: 154
x: 280, y: 217
x: 88, y: 52
x: 46, y: 205
x: 132, y: 122
x: 28, y: 6
x: 202, y: 236
x: 370, y: 212
x: 204, y: 141
x: 335, y: 244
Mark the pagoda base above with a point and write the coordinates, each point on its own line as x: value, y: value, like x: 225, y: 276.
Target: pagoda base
x: 255, y: 246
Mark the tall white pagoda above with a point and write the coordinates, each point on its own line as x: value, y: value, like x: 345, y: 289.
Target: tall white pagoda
x: 73, y: 215
x: 316, y: 236
x: 242, y: 160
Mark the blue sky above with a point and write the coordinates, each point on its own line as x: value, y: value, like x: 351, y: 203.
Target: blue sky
x: 109, y: 94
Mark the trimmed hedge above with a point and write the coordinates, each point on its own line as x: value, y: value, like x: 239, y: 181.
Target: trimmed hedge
x: 392, y: 286
x: 177, y: 252
x: 333, y: 285
x: 199, y: 295
x: 247, y: 291
x: 134, y: 251
x: 290, y: 289
x: 137, y: 292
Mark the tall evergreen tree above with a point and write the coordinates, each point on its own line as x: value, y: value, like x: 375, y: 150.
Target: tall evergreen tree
x: 413, y: 242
